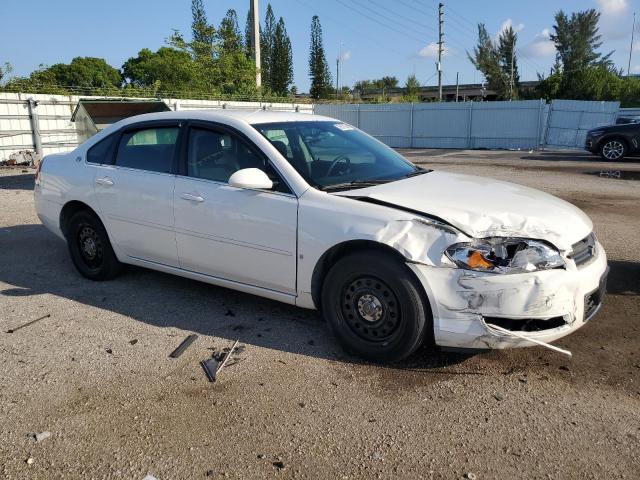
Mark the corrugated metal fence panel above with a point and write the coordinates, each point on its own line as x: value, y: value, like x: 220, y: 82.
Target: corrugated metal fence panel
x: 390, y: 124
x: 629, y: 112
x: 569, y: 120
x: 441, y: 125
x: 58, y: 133
x: 346, y: 112
x: 506, y: 125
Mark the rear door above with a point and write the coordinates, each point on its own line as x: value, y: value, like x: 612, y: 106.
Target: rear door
x: 247, y: 236
x: 135, y: 192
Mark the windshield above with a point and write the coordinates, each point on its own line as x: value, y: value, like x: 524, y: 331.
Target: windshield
x: 335, y: 154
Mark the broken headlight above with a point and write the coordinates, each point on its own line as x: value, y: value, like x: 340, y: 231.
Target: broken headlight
x: 504, y: 255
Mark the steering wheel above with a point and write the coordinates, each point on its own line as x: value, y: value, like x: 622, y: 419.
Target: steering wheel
x: 336, y: 162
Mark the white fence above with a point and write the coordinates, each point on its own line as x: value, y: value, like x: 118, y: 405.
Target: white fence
x: 58, y: 133
x: 528, y: 124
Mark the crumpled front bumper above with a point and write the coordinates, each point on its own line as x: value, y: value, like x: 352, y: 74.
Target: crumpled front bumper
x: 463, y: 300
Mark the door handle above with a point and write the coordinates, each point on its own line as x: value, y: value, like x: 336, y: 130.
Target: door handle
x: 106, y: 181
x: 191, y: 197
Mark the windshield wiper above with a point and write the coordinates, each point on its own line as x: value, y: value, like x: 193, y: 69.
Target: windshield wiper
x: 354, y: 183
x: 417, y: 172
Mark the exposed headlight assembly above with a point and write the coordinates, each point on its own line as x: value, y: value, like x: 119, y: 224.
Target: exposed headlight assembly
x: 504, y: 255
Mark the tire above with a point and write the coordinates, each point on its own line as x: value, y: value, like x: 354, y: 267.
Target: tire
x: 90, y: 248
x: 375, y: 307
x: 613, y: 149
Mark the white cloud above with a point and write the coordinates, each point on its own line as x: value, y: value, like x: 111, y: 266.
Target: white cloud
x: 431, y: 51
x: 635, y: 69
x: 541, y: 46
x: 509, y: 23
x: 344, y: 56
x: 613, y: 7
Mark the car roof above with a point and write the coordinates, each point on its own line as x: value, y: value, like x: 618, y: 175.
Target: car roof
x: 252, y: 117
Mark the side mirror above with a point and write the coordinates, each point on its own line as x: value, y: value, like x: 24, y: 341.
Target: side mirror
x: 251, y: 178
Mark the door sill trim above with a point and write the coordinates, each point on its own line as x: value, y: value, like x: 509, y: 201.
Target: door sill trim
x: 220, y: 281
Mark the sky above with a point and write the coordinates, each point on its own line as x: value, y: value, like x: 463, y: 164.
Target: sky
x: 373, y: 37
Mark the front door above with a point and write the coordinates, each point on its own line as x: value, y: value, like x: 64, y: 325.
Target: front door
x: 135, y: 194
x: 247, y: 236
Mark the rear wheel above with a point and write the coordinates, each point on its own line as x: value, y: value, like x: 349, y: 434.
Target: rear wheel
x: 613, y: 149
x: 375, y: 307
x: 90, y: 248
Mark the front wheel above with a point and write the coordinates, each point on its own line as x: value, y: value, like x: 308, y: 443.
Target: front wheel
x: 90, y: 248
x: 375, y: 307
x: 613, y: 149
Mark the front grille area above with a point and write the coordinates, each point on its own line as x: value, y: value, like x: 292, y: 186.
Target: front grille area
x: 584, y: 250
x: 526, y: 324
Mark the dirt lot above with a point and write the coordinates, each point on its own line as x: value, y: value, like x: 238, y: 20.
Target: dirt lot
x: 96, y: 374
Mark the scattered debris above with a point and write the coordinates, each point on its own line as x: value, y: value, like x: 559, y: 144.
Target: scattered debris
x: 28, y: 323
x: 498, y: 396
x: 563, y: 367
x: 39, y: 437
x: 279, y: 465
x: 376, y: 456
x: 29, y: 461
x: 470, y: 476
x: 212, y: 366
x: 610, y: 173
x: 149, y: 477
x: 210, y: 473
x: 302, y: 404
x: 261, y: 456
x: 109, y: 351
x: 133, y: 342
x: 183, y: 346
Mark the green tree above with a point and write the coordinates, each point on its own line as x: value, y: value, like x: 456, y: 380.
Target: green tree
x: 5, y: 70
x: 203, y: 33
x: 507, y: 55
x: 229, y: 33
x: 318, y: 67
x: 267, y: 39
x: 386, y: 82
x: 281, y: 69
x: 493, y: 59
x: 412, y: 88
x: 577, y: 40
x: 248, y: 35
x: 167, y: 70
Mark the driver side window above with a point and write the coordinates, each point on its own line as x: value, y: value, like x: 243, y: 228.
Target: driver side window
x: 216, y: 155
x: 211, y: 155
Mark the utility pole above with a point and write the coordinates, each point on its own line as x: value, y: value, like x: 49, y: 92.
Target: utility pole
x: 513, y: 53
x: 338, y: 70
x: 457, y: 86
x: 255, y: 39
x: 633, y: 30
x: 440, y: 47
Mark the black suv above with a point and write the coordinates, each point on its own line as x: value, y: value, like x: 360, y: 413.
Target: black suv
x: 614, y: 142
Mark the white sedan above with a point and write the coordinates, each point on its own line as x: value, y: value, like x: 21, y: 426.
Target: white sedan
x: 313, y: 212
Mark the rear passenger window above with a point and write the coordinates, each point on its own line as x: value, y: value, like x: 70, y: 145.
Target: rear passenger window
x: 102, y: 152
x: 150, y: 149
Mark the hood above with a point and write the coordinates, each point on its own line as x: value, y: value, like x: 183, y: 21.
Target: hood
x: 484, y: 207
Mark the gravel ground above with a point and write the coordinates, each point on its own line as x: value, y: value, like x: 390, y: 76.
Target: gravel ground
x: 96, y: 373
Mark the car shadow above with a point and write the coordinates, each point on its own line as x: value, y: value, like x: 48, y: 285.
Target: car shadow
x: 17, y: 182
x: 624, y: 278
x: 35, y: 262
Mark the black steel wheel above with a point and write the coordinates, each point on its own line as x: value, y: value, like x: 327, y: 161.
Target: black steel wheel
x: 376, y: 307
x: 90, y: 248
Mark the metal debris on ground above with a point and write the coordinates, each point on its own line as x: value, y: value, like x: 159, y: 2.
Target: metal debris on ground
x: 39, y: 437
x: 213, y: 365
x: 28, y: 323
x: 183, y: 346
x: 610, y: 173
